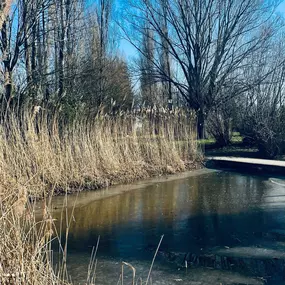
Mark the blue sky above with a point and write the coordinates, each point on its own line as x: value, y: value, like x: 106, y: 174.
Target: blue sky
x: 281, y: 7
x: 128, y: 51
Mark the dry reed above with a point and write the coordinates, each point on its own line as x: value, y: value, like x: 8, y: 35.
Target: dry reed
x: 41, y: 155
x: 40, y: 152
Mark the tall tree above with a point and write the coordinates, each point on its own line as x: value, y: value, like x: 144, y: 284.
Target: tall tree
x: 209, y: 41
x: 147, y: 79
x: 103, y: 18
x: 17, y: 33
x: 165, y: 58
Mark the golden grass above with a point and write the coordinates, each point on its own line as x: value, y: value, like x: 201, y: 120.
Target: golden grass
x: 40, y: 152
x: 40, y: 156
x: 25, y: 245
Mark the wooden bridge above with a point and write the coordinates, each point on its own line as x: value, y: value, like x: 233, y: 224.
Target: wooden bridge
x: 247, y: 164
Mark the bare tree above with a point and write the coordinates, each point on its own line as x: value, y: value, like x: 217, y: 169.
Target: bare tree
x: 103, y: 12
x: 101, y: 79
x: 17, y: 32
x: 58, y: 54
x: 263, y: 112
x: 165, y: 58
x: 209, y: 41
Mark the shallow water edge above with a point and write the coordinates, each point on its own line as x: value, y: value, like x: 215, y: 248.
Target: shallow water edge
x: 71, y: 199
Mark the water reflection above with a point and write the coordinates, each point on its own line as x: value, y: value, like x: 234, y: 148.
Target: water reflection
x: 217, y: 209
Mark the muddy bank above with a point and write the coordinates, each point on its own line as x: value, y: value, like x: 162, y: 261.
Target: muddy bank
x: 125, y: 177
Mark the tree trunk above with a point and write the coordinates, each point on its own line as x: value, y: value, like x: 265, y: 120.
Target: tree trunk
x: 8, y: 92
x: 61, y: 48
x: 200, y: 124
x: 8, y: 86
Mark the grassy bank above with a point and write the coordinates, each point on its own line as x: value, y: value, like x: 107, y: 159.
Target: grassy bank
x: 42, y: 155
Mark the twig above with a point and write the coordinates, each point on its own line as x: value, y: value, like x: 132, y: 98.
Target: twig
x: 92, y: 267
x: 154, y: 259
x: 133, y: 269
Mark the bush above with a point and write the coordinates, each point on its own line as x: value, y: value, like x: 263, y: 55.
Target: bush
x: 266, y: 131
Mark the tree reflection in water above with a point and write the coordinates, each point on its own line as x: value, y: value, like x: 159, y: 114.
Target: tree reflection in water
x: 200, y: 213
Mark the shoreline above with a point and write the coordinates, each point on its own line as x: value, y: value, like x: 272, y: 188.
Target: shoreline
x: 90, y: 195
x: 107, y: 181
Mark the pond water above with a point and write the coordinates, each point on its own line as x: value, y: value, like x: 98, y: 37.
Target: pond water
x: 225, y: 227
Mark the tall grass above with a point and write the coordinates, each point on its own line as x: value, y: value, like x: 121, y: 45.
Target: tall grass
x: 25, y: 244
x: 42, y: 152
x: 43, y: 155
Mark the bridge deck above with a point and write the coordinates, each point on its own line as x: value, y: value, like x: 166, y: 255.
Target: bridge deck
x: 277, y: 166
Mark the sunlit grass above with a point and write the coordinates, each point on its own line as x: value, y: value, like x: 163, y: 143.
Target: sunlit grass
x: 235, y: 139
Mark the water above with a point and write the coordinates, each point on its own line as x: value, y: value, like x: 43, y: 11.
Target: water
x: 234, y: 219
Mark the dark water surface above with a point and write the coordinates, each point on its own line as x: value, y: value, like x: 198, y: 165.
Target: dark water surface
x: 238, y: 220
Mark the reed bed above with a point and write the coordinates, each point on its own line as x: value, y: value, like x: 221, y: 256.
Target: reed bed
x: 25, y: 244
x: 43, y: 152
x: 42, y: 155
